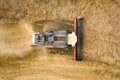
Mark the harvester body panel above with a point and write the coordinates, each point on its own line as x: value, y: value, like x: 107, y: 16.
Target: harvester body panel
x: 51, y: 39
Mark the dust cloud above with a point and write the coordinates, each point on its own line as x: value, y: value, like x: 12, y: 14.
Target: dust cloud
x: 15, y: 38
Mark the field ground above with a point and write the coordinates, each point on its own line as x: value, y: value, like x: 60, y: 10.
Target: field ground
x: 19, y: 19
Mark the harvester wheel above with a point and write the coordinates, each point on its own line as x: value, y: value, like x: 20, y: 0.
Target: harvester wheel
x: 69, y: 47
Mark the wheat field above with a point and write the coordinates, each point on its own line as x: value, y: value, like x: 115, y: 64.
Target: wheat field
x: 19, y: 19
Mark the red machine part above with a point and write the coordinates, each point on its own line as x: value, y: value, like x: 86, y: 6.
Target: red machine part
x: 76, y: 32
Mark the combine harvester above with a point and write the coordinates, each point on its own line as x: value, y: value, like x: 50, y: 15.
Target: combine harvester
x: 62, y: 39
